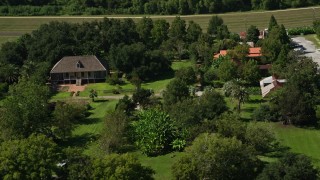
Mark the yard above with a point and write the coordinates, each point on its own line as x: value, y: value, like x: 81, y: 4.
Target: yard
x: 300, y: 140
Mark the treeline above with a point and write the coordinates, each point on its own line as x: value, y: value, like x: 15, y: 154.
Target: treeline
x: 96, y: 7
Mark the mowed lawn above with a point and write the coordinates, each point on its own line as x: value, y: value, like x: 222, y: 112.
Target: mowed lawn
x: 239, y: 21
x: 300, y: 140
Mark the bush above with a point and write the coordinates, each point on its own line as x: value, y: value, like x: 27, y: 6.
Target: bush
x: 71, y: 93
x: 301, y: 30
x: 264, y: 113
x: 156, y: 134
x: 114, y: 79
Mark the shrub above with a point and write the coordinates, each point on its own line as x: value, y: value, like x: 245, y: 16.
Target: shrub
x: 264, y: 113
x: 301, y: 30
x: 71, y: 93
x: 155, y: 133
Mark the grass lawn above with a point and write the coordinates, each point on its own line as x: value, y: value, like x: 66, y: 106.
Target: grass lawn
x: 176, y: 65
x: 86, y: 134
x: 105, y: 89
x: 300, y: 140
x: 314, y: 39
x: 161, y: 164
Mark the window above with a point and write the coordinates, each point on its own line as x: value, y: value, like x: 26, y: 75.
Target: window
x: 82, y: 74
x: 78, y: 65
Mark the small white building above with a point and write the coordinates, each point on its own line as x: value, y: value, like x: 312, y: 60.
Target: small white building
x: 269, y: 84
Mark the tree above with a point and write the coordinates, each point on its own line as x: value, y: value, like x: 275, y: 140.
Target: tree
x: 252, y: 34
x: 125, y: 105
x: 26, y: 110
x: 144, y: 27
x: 240, y: 52
x: 33, y: 158
x: 155, y: 132
x: 214, y: 23
x: 197, y: 115
x: 272, y: 23
x: 120, y: 167
x: 114, y: 133
x: 223, y: 32
x: 142, y: 97
x: 227, y: 70
x: 215, y: 157
x: 296, y: 102
x: 175, y: 91
x: 250, y: 72
x: 261, y: 137
x: 159, y: 31
x: 65, y: 116
x: 93, y: 94
x: 194, y: 31
x: 316, y: 26
x: 236, y: 90
x: 291, y: 166
x: 177, y: 29
x: 187, y: 75
x: 76, y: 165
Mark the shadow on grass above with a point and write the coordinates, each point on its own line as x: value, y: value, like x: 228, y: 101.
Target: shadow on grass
x: 164, y: 76
x: 79, y: 140
x: 256, y: 101
x: 100, y: 100
x: 87, y: 121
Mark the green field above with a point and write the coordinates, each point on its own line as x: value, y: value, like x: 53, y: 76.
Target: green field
x: 314, y: 39
x: 300, y: 140
x: 240, y: 21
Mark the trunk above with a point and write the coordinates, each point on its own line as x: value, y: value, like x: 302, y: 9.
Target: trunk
x: 239, y: 106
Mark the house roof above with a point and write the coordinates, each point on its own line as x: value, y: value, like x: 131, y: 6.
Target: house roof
x: 269, y: 84
x: 78, y: 64
x: 253, y: 52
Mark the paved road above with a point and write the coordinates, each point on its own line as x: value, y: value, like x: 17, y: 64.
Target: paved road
x: 310, y: 49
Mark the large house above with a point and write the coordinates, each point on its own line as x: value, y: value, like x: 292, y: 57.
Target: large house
x: 78, y: 70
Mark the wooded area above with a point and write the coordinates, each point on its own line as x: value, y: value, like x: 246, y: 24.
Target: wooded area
x: 98, y: 7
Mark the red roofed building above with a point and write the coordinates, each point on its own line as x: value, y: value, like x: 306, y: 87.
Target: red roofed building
x: 253, y: 53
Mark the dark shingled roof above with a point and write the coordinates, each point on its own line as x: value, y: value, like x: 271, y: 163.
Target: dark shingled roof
x: 69, y: 64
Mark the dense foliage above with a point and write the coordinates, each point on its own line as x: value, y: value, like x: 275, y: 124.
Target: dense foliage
x: 291, y: 166
x: 74, y: 7
x: 215, y: 157
x: 33, y: 158
x: 155, y: 132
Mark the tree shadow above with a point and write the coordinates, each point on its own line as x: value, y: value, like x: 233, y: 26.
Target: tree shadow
x: 79, y: 140
x: 256, y: 101
x: 100, y: 100
x: 87, y: 121
x: 164, y: 76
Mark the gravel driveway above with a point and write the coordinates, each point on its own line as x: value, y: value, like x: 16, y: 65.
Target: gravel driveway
x: 310, y: 49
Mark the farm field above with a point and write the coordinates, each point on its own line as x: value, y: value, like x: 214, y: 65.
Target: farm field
x: 240, y: 21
